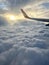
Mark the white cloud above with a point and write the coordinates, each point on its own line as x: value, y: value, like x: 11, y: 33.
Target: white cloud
x: 24, y: 44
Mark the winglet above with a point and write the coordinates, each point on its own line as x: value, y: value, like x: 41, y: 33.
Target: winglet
x: 25, y: 15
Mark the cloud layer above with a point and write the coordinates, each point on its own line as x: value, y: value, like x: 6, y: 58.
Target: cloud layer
x: 25, y: 43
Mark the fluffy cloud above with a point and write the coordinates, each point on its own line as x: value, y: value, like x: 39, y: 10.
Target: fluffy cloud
x: 26, y: 43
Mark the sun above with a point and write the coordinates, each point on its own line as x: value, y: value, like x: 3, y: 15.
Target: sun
x: 12, y: 17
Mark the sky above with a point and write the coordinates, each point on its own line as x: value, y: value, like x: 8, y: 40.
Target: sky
x: 34, y: 8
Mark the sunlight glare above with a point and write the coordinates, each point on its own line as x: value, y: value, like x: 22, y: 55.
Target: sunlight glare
x: 13, y: 18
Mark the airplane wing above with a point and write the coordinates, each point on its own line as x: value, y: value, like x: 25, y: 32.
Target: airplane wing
x: 38, y: 19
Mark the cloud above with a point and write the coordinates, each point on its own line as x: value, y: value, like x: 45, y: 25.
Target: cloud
x: 3, y: 21
x: 24, y: 44
x: 36, y: 8
x: 39, y: 9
